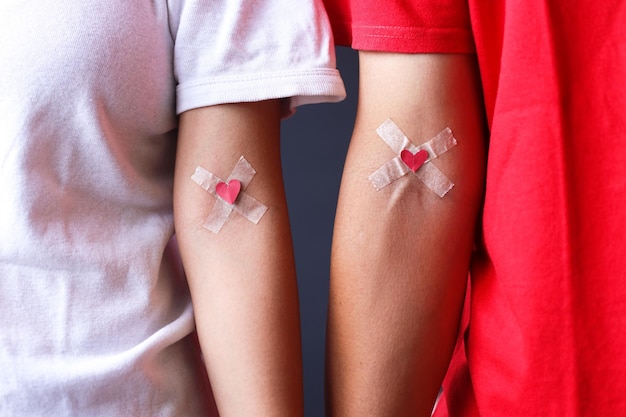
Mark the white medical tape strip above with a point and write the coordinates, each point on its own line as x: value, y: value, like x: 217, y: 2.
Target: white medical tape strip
x: 434, y: 179
x: 243, y: 172
x: 205, y: 179
x: 429, y: 174
x: 393, y: 136
x: 388, y: 173
x: 246, y: 205
x: 218, y: 216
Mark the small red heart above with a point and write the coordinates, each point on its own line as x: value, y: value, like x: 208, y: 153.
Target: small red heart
x: 228, y: 192
x: 414, y: 161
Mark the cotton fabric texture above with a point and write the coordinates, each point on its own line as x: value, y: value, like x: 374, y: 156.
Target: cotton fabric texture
x: 547, y: 319
x: 95, y: 315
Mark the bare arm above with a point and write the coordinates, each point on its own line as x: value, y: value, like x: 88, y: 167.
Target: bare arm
x: 400, y: 255
x: 242, y: 279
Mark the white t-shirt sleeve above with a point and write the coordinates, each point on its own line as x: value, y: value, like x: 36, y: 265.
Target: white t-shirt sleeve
x: 229, y: 51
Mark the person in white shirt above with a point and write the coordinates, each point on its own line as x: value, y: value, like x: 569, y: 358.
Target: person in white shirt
x: 106, y: 109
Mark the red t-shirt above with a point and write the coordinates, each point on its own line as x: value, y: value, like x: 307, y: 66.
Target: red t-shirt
x: 547, y: 326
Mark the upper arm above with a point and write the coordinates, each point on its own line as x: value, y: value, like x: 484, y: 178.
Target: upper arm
x: 242, y: 279
x: 422, y: 94
x: 400, y: 254
x: 214, y: 138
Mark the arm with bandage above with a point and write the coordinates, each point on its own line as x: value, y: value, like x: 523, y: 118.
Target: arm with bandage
x: 401, y: 253
x: 242, y: 278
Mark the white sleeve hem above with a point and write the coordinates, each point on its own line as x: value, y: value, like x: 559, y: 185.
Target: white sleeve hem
x: 301, y: 86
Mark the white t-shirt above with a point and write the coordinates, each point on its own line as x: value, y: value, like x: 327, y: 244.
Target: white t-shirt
x: 95, y: 316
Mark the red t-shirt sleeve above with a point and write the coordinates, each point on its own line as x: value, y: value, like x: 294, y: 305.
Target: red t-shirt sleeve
x: 408, y: 26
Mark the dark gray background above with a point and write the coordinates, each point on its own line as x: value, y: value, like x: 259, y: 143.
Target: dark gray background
x: 314, y: 145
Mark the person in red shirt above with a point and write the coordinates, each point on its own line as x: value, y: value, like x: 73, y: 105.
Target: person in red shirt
x: 534, y: 93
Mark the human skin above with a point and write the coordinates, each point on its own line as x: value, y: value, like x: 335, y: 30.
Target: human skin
x: 242, y: 279
x: 400, y: 255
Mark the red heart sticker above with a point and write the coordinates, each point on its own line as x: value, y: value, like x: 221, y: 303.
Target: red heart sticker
x: 414, y: 161
x: 228, y: 192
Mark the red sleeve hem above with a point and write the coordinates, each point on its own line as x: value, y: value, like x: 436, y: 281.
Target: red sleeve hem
x: 412, y: 40
x: 404, y: 39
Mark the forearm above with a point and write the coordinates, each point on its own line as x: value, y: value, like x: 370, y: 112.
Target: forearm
x: 400, y: 254
x: 242, y: 279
